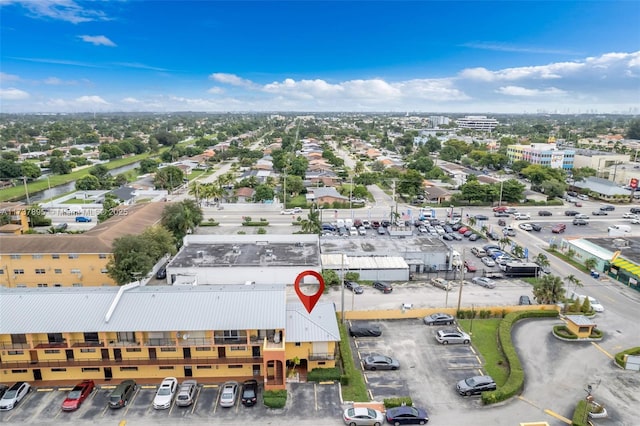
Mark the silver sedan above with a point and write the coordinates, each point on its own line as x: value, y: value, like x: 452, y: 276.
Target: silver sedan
x: 380, y: 362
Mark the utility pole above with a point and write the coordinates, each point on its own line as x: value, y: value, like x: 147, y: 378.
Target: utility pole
x: 26, y: 189
x: 461, y: 281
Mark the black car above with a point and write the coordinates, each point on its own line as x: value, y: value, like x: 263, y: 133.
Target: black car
x: 383, y: 287
x: 580, y: 222
x: 635, y: 210
x: 475, y: 385
x: 162, y: 273
x: 571, y: 213
x: 481, y: 217
x: 365, y: 331
x: 544, y: 213
x: 385, y: 223
x: 249, y: 393
x: 536, y: 227
x: 448, y: 237
x: 354, y: 287
x: 493, y: 235
x: 439, y: 319
x: 456, y: 226
x: 405, y: 415
x: 599, y: 213
x: 467, y: 234
x: 607, y: 208
x: 474, y: 237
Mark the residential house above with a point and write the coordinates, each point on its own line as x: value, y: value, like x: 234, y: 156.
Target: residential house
x: 325, y: 195
x: 18, y: 220
x: 245, y: 194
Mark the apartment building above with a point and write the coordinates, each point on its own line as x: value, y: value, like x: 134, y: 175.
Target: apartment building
x: 210, y: 333
x: 16, y: 220
x: 544, y: 154
x: 70, y: 260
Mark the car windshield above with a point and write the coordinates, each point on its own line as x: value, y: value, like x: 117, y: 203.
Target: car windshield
x: 114, y: 398
x: 183, y: 397
x: 10, y: 394
x: 470, y: 382
x: 248, y: 393
x: 164, y: 391
x: 74, y: 394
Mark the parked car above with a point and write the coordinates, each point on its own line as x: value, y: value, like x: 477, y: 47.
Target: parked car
x: 187, y: 393
x: 14, y: 395
x: 439, y: 319
x: 524, y: 300
x: 481, y: 217
x: 380, y: 362
x: 354, y: 287
x: 490, y: 246
x: 405, y: 415
x: 525, y: 227
x: 544, y: 213
x: 456, y: 226
x: 61, y: 227
x: 599, y: 213
x: 353, y: 231
x: 229, y: 394
x: 365, y: 331
x: 469, y: 266
x: 607, y: 208
x: 478, y: 251
x: 463, y: 230
x: 493, y: 235
x: 474, y: 237
x: 375, y: 224
x: 165, y: 393
x: 3, y: 389
x: 559, y: 228
x: 456, y: 236
x: 509, y: 231
x: 475, y: 385
x: 571, y: 213
x: 162, y: 273
x: 383, y: 287
x: 488, y: 261
x: 501, y: 214
x: 536, y: 227
x: 452, y: 336
x: 121, y: 395
x: 484, y: 282
x: 362, y: 230
x: 77, y: 395
x: 522, y: 216
x: 249, y: 393
x: 629, y: 216
x: 448, y: 237
x: 580, y: 222
x: 83, y: 219
x: 362, y: 416
x: 583, y: 197
x: 441, y: 283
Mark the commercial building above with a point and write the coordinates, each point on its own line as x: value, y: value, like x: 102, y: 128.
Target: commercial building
x: 211, y: 333
x: 70, y: 260
x: 238, y: 259
x: 477, y: 122
x: 544, y: 154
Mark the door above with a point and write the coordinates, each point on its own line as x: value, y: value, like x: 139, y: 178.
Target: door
x: 107, y: 373
x: 34, y: 356
x: 105, y: 354
x: 186, y: 353
x: 37, y: 374
x: 222, y: 352
x: 188, y: 371
x: 69, y: 353
x: 152, y: 353
x: 117, y: 354
x: 255, y: 351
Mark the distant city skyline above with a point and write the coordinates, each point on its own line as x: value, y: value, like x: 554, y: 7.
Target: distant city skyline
x: 459, y: 57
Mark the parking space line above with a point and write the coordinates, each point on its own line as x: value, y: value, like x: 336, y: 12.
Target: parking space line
x: 130, y: 403
x: 44, y: 390
x: 209, y: 386
x: 215, y: 405
x: 522, y: 398
x: 64, y: 389
x: 365, y: 379
x: 601, y: 349
x: 108, y: 387
x: 193, y: 406
x: 370, y: 394
x: 558, y: 416
x: 315, y: 395
x: 147, y: 387
x: 122, y: 423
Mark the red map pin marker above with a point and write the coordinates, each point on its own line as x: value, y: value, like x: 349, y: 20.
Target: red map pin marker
x: 309, y: 301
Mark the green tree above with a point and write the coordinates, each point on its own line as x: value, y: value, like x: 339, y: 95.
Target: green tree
x: 590, y: 263
x: 87, y: 183
x: 148, y: 165
x: 549, y: 290
x: 169, y: 177
x: 36, y: 216
x: 633, y: 132
x: 330, y: 277
x: 9, y: 169
x: 573, y: 280
x: 30, y: 170
x: 109, y: 205
x: 263, y: 193
x: 181, y: 219
x: 542, y: 260
x: 553, y: 188
x: 58, y: 166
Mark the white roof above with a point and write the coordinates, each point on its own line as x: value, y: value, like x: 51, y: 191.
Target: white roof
x: 150, y: 308
x: 591, y: 248
x: 333, y: 261
x: 320, y: 325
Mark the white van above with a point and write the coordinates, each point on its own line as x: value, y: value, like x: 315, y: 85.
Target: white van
x: 340, y: 223
x: 619, y: 230
x: 348, y: 223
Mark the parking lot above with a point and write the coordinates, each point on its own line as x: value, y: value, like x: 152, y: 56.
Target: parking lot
x: 428, y: 370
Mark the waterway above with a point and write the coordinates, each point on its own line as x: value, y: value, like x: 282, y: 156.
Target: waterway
x: 59, y: 190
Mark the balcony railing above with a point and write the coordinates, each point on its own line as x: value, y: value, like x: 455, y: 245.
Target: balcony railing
x: 14, y: 346
x: 86, y: 344
x: 231, y: 340
x: 321, y: 356
x: 78, y: 362
x: 45, y: 344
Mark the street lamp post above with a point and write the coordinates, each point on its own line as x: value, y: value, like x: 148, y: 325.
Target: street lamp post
x: 342, y: 284
x: 500, y: 201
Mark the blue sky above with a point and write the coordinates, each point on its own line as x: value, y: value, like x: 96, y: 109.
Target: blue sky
x: 450, y: 56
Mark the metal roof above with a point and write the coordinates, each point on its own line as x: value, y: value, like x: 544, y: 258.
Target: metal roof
x: 156, y: 308
x: 580, y: 320
x: 333, y: 261
x: 320, y: 325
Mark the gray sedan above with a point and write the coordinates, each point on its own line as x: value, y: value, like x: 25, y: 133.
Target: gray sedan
x: 380, y: 362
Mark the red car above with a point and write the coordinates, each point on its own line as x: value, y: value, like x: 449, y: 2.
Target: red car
x: 79, y: 393
x: 500, y: 208
x: 463, y: 230
x: 469, y: 266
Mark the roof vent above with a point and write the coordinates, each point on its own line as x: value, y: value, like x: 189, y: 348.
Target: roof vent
x: 236, y: 249
x: 620, y: 242
x: 200, y: 254
x: 269, y: 252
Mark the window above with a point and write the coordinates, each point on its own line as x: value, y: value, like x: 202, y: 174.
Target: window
x: 90, y: 369
x: 102, y: 256
x: 238, y: 348
x: 15, y: 353
x: 52, y: 351
x: 18, y: 371
x: 321, y: 363
x: 202, y: 349
x: 133, y: 349
x: 18, y: 339
x: 21, y: 286
x: 75, y: 271
x: 57, y: 284
x: 1, y: 271
x: 55, y: 337
x: 104, y: 270
x: 73, y: 256
x: 58, y: 370
x: 76, y: 285
x: 18, y: 272
x: 203, y: 367
x: 167, y: 349
x: 166, y: 367
x: 235, y: 366
x: 55, y: 256
x: 36, y: 256
x: 127, y: 336
x: 57, y: 271
x: 91, y: 337
x: 40, y: 271
x: 298, y: 344
x: 15, y: 256
x: 87, y: 351
x: 128, y: 368
x: 42, y: 285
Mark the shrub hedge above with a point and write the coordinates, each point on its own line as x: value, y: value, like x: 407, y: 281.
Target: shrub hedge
x: 580, y: 414
x: 323, y: 374
x: 564, y: 332
x: 354, y: 388
x: 397, y: 402
x: 515, y: 381
x: 275, y: 398
x: 620, y: 355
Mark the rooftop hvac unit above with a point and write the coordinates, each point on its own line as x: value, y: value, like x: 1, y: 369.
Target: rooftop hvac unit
x: 236, y: 249
x: 200, y: 254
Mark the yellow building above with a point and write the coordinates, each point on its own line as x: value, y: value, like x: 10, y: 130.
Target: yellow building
x: 70, y: 260
x: 580, y: 325
x: 212, y: 333
x: 18, y: 220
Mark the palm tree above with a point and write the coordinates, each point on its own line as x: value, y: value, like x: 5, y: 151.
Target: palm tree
x: 549, y: 290
x: 570, y: 253
x: 518, y: 252
x: 181, y: 218
x: 472, y: 221
x: 572, y: 279
x: 195, y: 190
x: 359, y: 167
x: 590, y: 263
x: 542, y: 260
x: 503, y: 242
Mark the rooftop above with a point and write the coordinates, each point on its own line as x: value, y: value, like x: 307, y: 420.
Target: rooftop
x: 630, y: 250
x: 318, y: 326
x: 367, y: 246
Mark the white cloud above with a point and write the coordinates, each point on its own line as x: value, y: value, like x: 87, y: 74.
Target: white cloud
x: 504, y: 47
x: 523, y: 91
x: 130, y: 100
x: 4, y: 77
x: 13, y: 94
x: 91, y: 100
x: 231, y: 79
x: 63, y: 10
x: 99, y: 40
x: 216, y: 90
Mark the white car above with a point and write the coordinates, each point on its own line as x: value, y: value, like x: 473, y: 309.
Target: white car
x: 166, y: 392
x: 630, y: 216
x: 366, y: 224
x: 525, y: 227
x: 353, y: 231
x: 488, y: 261
x: 362, y: 231
x: 229, y: 394
x: 635, y: 221
x: 522, y: 216
x: 288, y: 211
x: 13, y: 395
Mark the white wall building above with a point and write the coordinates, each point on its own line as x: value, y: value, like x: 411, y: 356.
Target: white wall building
x: 477, y: 122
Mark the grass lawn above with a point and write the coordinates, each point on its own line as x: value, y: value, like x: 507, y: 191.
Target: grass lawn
x: 484, y: 339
